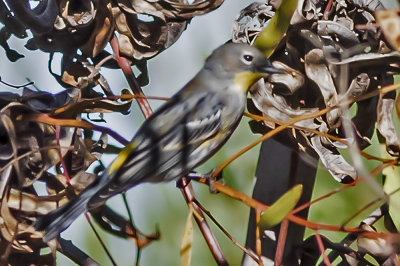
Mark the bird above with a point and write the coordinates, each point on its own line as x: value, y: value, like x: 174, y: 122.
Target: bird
x: 181, y: 135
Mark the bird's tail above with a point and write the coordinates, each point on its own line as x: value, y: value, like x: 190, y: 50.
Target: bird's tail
x: 58, y: 220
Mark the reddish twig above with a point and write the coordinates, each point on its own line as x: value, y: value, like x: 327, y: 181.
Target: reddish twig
x: 336, y: 190
x: 258, y: 206
x: 328, y: 10
x: 44, y: 118
x: 126, y: 68
x: 283, y: 126
x: 100, y: 240
x: 322, y: 249
x: 245, y: 250
x: 211, y: 241
x: 280, y: 248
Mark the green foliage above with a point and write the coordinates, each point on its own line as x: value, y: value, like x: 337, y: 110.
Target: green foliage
x: 280, y: 208
x: 277, y: 27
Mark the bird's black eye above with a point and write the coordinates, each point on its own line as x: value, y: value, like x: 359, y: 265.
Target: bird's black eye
x: 248, y: 57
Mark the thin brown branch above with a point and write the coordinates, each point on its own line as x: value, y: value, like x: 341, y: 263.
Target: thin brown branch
x: 44, y: 118
x: 266, y: 136
x: 316, y: 132
x: 215, y: 248
x: 245, y: 250
x: 139, y: 248
x: 366, y: 206
x: 126, y: 68
x: 280, y: 128
x: 100, y: 240
x: 280, y: 247
x: 258, y: 206
x: 322, y: 249
x: 343, y: 187
x: 31, y: 152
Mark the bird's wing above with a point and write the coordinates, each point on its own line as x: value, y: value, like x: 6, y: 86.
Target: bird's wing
x: 162, y: 146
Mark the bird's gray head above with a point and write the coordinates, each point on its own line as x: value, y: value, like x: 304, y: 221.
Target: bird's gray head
x: 241, y: 62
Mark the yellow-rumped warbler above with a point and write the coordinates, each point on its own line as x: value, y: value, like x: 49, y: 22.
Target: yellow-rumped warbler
x: 182, y: 134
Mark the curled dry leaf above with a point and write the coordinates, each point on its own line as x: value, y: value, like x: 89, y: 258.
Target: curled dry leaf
x: 321, y: 40
x: 27, y: 140
x: 385, y: 125
x: 11, y: 229
x: 317, y: 71
x: 39, y: 19
x: 337, y: 31
x: 81, y: 31
x: 87, y: 27
x: 374, y: 246
x: 291, y: 81
x: 96, y: 105
x: 31, y: 149
x: 30, y: 204
x: 81, y: 180
x: 389, y: 21
x: 250, y: 22
x: 358, y: 86
x: 341, y: 170
x: 276, y: 107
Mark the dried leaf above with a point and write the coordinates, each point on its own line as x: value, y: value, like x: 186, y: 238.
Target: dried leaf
x: 187, y: 239
x: 72, y: 71
x: 94, y: 106
x: 103, y: 30
x: 276, y: 107
x: 10, y: 226
x: 358, y: 86
x: 351, y: 259
x: 28, y: 140
x: 367, y: 60
x: 5, y: 178
x: 39, y: 20
x: 250, y: 22
x: 289, y: 82
x: 31, y: 204
x: 81, y: 180
x: 317, y: 71
x: 44, y: 101
x: 389, y: 21
x: 342, y: 34
x: 385, y: 125
x: 334, y: 162
x: 11, y: 22
x: 369, y: 5
x: 374, y: 246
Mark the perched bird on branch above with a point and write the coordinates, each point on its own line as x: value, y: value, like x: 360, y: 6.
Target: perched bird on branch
x: 181, y: 135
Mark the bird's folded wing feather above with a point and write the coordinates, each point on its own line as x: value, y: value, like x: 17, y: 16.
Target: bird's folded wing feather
x: 167, y: 138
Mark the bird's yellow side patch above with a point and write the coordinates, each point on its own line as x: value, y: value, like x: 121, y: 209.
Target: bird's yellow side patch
x: 244, y: 80
x: 117, y: 163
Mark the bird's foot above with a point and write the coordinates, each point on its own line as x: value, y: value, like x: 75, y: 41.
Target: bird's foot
x: 208, y: 179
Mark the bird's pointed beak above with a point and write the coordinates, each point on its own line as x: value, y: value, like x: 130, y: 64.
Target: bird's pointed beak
x: 265, y: 66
